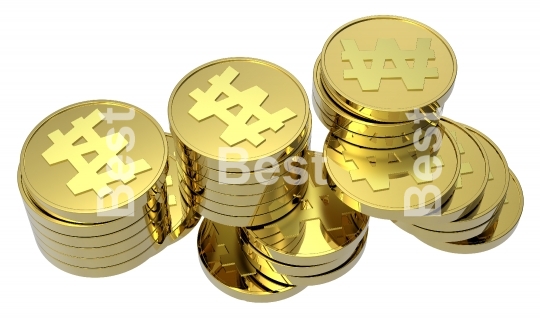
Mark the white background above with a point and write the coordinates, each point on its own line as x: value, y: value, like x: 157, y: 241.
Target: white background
x: 54, y: 53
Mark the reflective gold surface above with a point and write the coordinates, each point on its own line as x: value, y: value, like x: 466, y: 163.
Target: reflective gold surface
x: 471, y: 183
x: 493, y: 196
x: 383, y: 67
x: 376, y: 182
x: 226, y: 266
x: 499, y: 231
x: 269, y: 213
x: 65, y: 159
x: 244, y: 211
x: 329, y: 271
x: 429, y: 235
x: 243, y: 103
x: 201, y: 178
x: 335, y: 115
x: 319, y: 230
x: 108, y: 247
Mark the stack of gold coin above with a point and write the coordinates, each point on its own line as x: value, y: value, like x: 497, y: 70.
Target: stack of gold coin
x: 485, y: 207
x: 241, y: 128
x: 318, y: 241
x: 94, y: 180
x: 380, y: 84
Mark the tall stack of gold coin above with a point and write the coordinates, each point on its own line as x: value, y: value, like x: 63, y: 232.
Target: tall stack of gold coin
x: 93, y: 177
x: 272, y: 226
x: 380, y: 84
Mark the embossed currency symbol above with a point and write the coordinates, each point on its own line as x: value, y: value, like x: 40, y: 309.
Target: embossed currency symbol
x: 388, y: 50
x: 393, y: 165
x: 250, y: 100
x: 107, y: 148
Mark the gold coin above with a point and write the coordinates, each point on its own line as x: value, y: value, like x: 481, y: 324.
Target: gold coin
x: 472, y: 180
x: 395, y: 184
x: 197, y: 172
x: 493, y: 196
x: 499, y: 231
x: 118, y: 268
x: 86, y: 262
x: 336, y: 273
x: 302, y: 275
x: 180, y: 214
x: 86, y: 236
x: 242, y: 104
x: 383, y: 67
x: 237, y: 208
x: 78, y: 164
x: 226, y: 266
x: 105, y: 255
x: 335, y: 269
x: 191, y: 157
x: 271, y: 214
x: 438, y: 236
x: 271, y: 267
x: 252, y: 200
x: 82, y: 247
x: 319, y: 230
x: 239, y: 189
x: 367, y: 141
x: 328, y: 109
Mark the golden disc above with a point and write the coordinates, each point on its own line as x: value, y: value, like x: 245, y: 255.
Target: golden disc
x: 242, y: 104
x: 493, y: 196
x: 319, y: 230
x: 395, y: 184
x: 269, y: 268
x: 472, y: 181
x: 499, y: 231
x: 383, y: 67
x: 226, y: 266
x: 272, y: 213
x: 78, y: 164
x: 336, y: 115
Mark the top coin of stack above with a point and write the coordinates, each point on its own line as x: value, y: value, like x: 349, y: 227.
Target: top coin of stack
x: 96, y: 199
x: 379, y: 79
x: 240, y: 126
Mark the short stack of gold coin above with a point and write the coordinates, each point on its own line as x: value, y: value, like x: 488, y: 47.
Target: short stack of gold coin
x: 379, y: 86
x: 320, y: 240
x: 262, y: 239
x: 98, y: 203
x: 231, y: 172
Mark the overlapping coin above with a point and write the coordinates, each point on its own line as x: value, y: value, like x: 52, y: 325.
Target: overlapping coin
x: 380, y: 84
x: 318, y: 241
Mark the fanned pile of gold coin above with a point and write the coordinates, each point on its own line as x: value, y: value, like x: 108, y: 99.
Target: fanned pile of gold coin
x: 272, y: 224
x: 379, y: 86
x: 105, y: 188
x: 90, y: 220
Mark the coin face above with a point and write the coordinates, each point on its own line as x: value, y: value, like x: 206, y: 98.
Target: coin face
x: 385, y: 66
x: 233, y: 108
x: 91, y: 158
x: 393, y: 184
